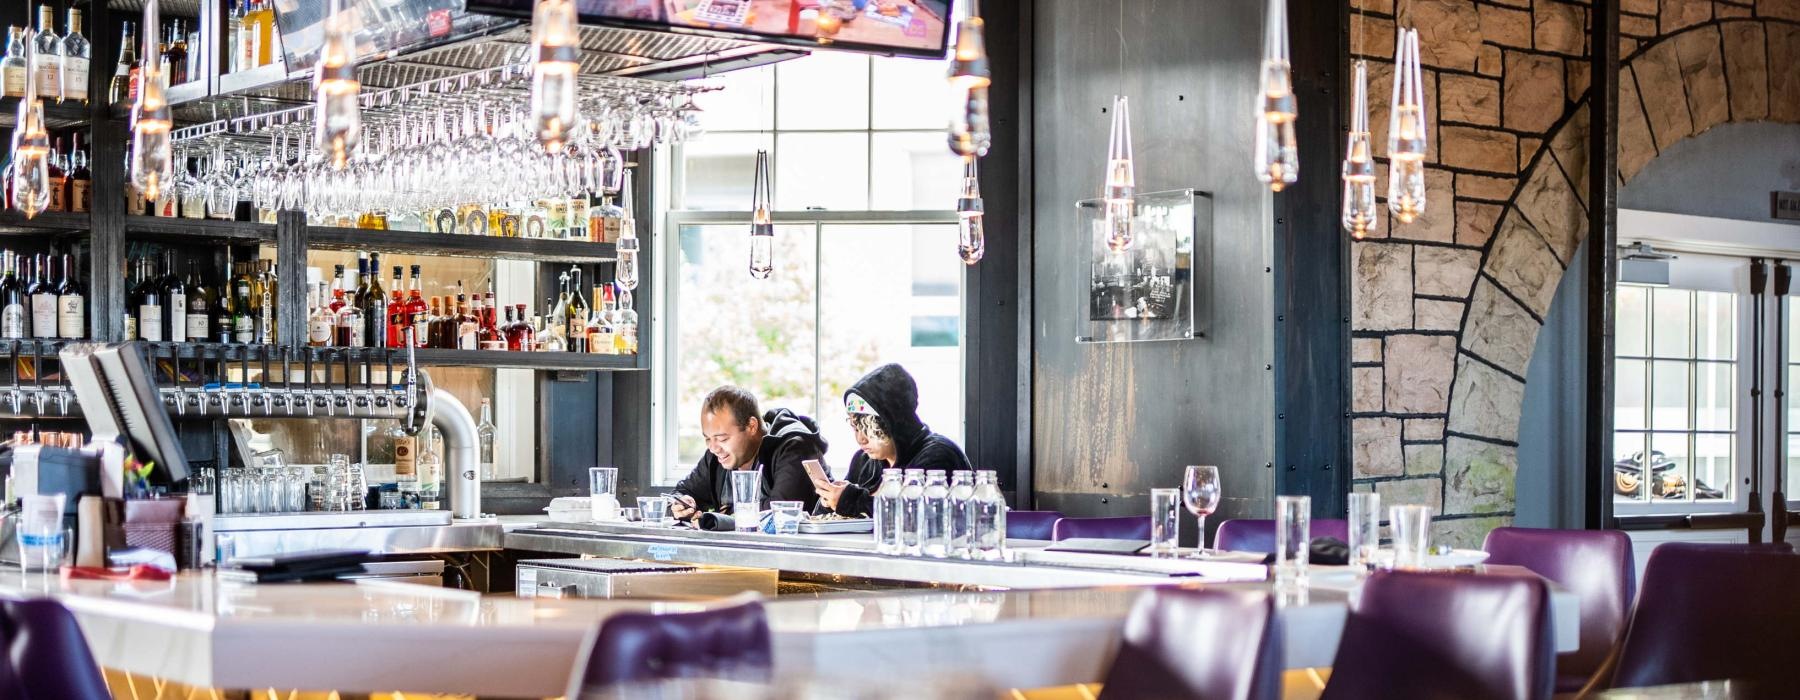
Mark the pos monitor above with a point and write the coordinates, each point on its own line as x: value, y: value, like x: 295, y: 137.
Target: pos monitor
x: 118, y: 396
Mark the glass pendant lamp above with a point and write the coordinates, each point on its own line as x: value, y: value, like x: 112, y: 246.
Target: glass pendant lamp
x: 1359, y: 164
x: 971, y: 239
x: 1406, y: 132
x: 1277, y: 155
x: 1120, y: 187
x: 336, y: 89
x: 969, y: 63
x: 30, y: 145
x: 762, y: 226
x: 969, y: 133
x: 152, y: 167
x: 553, y: 80
x: 626, y: 271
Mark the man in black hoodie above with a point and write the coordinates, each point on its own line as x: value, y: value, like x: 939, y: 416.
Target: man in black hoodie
x: 737, y: 439
x: 883, y: 409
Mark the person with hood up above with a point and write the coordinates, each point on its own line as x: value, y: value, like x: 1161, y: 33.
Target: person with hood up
x: 883, y: 410
x: 777, y: 442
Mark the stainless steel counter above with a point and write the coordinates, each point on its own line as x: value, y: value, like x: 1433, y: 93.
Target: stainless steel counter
x: 378, y: 531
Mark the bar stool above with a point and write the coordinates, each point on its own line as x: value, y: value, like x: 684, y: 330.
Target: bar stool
x: 1712, y: 612
x: 730, y: 642
x: 1031, y: 524
x: 1253, y: 535
x: 1125, y: 527
x: 1446, y: 635
x: 1188, y: 644
x: 1596, y: 565
x: 43, y: 655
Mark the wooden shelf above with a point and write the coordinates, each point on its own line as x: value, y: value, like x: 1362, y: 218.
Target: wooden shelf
x: 574, y: 361
x: 11, y: 221
x: 541, y: 249
x: 63, y: 115
x: 212, y: 229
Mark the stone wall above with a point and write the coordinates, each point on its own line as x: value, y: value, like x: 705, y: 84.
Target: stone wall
x: 1446, y: 309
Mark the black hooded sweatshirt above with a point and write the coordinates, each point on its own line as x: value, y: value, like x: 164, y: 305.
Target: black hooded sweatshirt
x: 788, y: 439
x: 893, y: 394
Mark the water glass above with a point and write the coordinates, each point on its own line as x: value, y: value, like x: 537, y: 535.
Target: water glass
x: 44, y: 548
x: 1412, y: 535
x: 1293, y: 539
x: 786, y: 516
x: 603, y: 492
x: 653, y: 508
x: 746, y: 498
x: 1165, y: 521
x: 297, y: 479
x: 1365, y: 529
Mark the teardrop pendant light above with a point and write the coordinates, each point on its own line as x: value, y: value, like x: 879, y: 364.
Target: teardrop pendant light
x: 1359, y: 163
x: 625, y: 272
x: 152, y: 168
x: 1120, y: 187
x: 969, y: 134
x: 1277, y: 155
x: 971, y: 240
x: 553, y: 78
x: 969, y: 81
x: 31, y: 143
x: 762, y: 226
x: 1406, y: 132
x: 336, y: 89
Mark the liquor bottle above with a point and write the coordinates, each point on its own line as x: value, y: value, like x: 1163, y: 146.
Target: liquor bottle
x: 175, y: 59
x: 59, y: 179
x: 125, y: 75
x: 13, y: 68
x: 559, y: 307
x: 49, y: 64
x: 520, y: 336
x: 434, y: 324
x: 234, y: 25
x: 548, y: 332
x: 488, y: 335
x: 43, y: 298
x: 76, y: 53
x: 468, y: 323
x: 484, y: 434
x: 350, y: 326
x: 71, y: 303
x: 372, y: 300
x: 243, y: 304
x: 175, y: 293
x: 319, y: 323
x: 337, y: 290
x: 192, y: 41
x: 625, y: 331
x: 406, y: 467
x: 201, y: 301
x: 268, y: 290
x: 398, y: 320
x: 419, y: 314
x: 600, y: 330
x: 130, y: 324
x: 80, y: 185
x: 259, y: 37
x: 575, y: 221
x: 574, y: 320
x: 147, y: 299
x: 605, y: 221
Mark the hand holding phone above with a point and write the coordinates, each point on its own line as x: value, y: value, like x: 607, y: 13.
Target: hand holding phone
x: 683, y: 507
x: 816, y: 471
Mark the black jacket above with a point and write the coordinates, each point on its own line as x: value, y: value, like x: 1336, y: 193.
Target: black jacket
x: 789, y: 439
x: 894, y: 395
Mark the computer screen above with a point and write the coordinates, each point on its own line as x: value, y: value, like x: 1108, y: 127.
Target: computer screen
x: 890, y: 27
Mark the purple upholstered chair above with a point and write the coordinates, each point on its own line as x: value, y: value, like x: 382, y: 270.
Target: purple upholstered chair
x: 1446, y: 635
x: 637, y: 647
x: 43, y: 655
x: 1031, y: 524
x: 1188, y: 644
x: 1124, y: 527
x: 1247, y: 535
x: 1713, y: 612
x: 1595, y: 565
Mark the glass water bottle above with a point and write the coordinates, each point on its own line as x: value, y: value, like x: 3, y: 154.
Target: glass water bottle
x: 990, y: 517
x: 962, y: 513
x: 912, y: 512
x: 934, y: 533
x: 887, y: 513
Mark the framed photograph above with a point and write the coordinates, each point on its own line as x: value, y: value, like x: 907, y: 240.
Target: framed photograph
x: 1145, y: 292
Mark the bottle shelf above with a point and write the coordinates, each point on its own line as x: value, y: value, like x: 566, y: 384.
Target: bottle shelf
x: 420, y: 242
x: 213, y: 229
x: 11, y: 221
x: 57, y: 115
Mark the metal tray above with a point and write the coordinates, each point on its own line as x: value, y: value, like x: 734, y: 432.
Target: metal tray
x: 837, y: 527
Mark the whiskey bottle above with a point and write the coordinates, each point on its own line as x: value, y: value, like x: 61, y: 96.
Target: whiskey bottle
x: 13, y: 69
x: 81, y: 179
x: 49, y: 63
x: 76, y: 53
x: 43, y: 299
x: 201, y: 301
x: 125, y: 75
x: 71, y: 303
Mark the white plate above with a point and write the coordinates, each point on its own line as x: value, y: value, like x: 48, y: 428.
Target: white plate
x: 1456, y: 558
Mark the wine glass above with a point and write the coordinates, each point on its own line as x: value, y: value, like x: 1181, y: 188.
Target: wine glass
x: 1200, y: 492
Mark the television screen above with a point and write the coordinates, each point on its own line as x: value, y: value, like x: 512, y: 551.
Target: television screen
x: 902, y: 27
x: 382, y: 27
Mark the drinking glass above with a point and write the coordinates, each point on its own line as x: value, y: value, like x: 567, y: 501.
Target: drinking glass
x: 1293, y: 538
x: 786, y: 516
x: 653, y: 508
x: 297, y: 478
x: 603, y: 485
x: 1165, y: 521
x: 1365, y: 529
x: 1412, y: 535
x: 44, y: 548
x: 1200, y: 492
x: 746, y: 498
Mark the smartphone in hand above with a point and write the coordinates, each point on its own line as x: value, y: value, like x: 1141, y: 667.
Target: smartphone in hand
x: 817, y: 471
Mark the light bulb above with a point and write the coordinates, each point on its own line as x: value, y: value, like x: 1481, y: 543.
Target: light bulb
x: 553, y: 79
x: 1359, y: 164
x: 1120, y: 187
x: 337, y: 114
x: 151, y: 168
x: 30, y: 145
x: 971, y: 240
x: 762, y: 225
x: 1277, y: 153
x: 969, y: 131
x: 969, y: 62
x: 1406, y: 132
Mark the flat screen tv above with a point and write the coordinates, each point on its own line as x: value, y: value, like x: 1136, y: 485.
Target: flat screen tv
x: 383, y: 27
x: 890, y: 27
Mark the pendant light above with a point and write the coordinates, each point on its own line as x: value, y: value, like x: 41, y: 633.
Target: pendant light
x: 969, y: 134
x: 1406, y: 132
x: 1359, y: 164
x: 337, y: 114
x: 553, y: 79
x: 1120, y: 187
x: 152, y: 168
x: 971, y: 239
x: 1277, y: 155
x: 31, y: 143
x: 762, y: 226
x: 626, y: 271
x: 969, y: 62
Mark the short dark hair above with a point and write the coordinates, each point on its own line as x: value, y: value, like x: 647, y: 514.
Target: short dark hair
x: 741, y: 402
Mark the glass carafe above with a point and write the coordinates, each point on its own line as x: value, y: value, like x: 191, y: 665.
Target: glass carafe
x: 912, y: 511
x: 962, y: 513
x: 934, y: 531
x: 990, y: 517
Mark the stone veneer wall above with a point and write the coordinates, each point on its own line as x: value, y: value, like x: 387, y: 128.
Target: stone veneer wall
x: 1446, y: 310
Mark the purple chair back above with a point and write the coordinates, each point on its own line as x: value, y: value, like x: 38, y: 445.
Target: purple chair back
x: 1124, y: 527
x: 43, y: 655
x: 1595, y: 565
x: 1446, y: 635
x: 1193, y: 644
x: 731, y: 642
x: 1031, y: 524
x: 1249, y: 535
x: 1713, y: 612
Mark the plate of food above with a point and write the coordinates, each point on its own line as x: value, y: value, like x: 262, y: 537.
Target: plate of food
x: 834, y: 524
